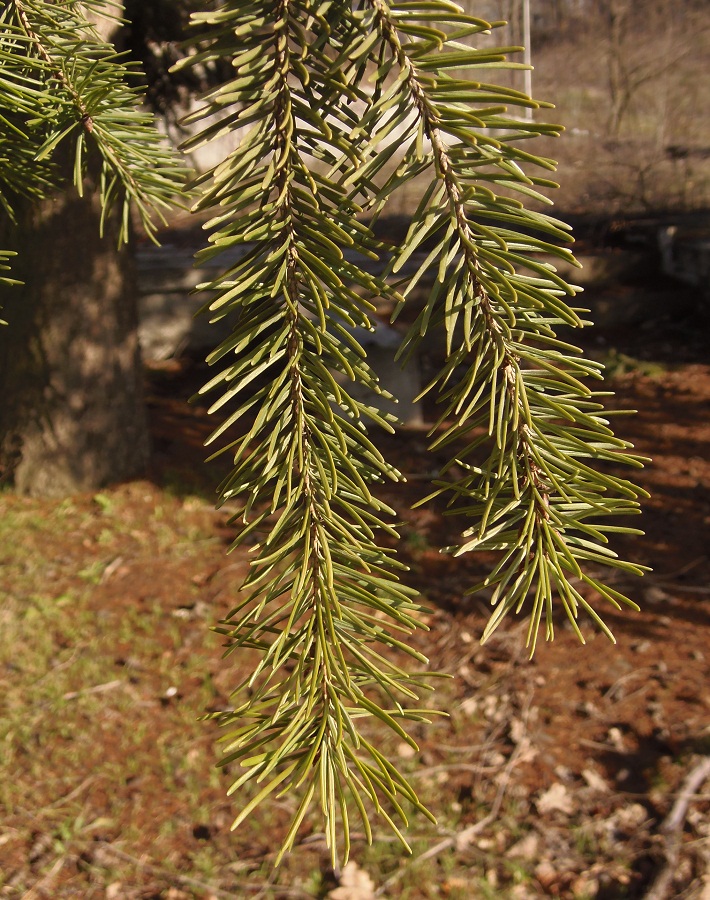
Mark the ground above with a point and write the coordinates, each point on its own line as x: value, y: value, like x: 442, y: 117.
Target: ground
x: 549, y: 778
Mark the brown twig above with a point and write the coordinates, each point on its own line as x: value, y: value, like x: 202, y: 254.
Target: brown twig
x: 462, y: 838
x: 39, y: 888
x: 672, y: 827
x: 186, y: 881
x: 428, y: 771
x: 96, y: 689
x: 74, y: 793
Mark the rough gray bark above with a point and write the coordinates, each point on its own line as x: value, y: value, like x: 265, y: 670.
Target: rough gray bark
x: 72, y: 416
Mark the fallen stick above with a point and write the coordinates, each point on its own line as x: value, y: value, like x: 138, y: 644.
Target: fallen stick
x: 188, y: 882
x: 463, y: 838
x: 672, y: 827
x: 96, y: 689
x: 39, y: 888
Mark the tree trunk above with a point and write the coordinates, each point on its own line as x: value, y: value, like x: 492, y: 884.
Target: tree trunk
x: 72, y: 416
x: 617, y: 14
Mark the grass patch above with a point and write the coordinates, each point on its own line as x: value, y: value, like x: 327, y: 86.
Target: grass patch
x: 107, y: 774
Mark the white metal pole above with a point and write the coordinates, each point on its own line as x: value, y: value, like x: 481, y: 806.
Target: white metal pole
x: 527, y: 55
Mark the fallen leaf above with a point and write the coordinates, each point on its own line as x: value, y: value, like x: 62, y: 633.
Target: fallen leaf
x: 405, y: 750
x: 545, y: 873
x: 595, y: 781
x: 355, y: 884
x: 555, y: 799
x: 526, y: 848
x: 517, y: 730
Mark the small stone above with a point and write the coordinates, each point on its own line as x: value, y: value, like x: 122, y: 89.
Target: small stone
x: 630, y: 817
x: 522, y: 892
x: 585, y: 886
x: 517, y: 730
x: 654, y: 595
x: 492, y: 877
x: 623, y: 775
x: 456, y: 883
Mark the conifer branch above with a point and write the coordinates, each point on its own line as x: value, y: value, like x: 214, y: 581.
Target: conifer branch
x: 322, y: 605
x: 322, y: 602
x: 532, y: 496
x: 67, y: 80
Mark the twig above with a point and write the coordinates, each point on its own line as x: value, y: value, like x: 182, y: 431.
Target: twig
x: 186, y: 881
x: 462, y: 838
x: 44, y: 882
x: 610, y: 694
x: 669, y: 576
x: 96, y: 689
x: 56, y: 70
x: 62, y: 665
x: 607, y: 748
x: 676, y: 817
x: 111, y: 568
x: 672, y: 826
x: 72, y: 794
x: 452, y: 767
x: 688, y: 588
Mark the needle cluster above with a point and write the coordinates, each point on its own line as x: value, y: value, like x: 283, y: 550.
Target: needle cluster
x: 337, y: 107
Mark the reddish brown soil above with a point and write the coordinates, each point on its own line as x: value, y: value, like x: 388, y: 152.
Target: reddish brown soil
x: 635, y: 714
